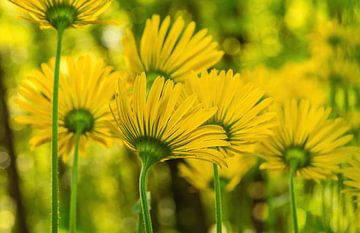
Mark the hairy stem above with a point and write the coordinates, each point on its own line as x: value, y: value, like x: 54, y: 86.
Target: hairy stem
x: 54, y: 139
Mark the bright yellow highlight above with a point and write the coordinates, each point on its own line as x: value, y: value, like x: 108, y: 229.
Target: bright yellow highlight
x: 85, y: 90
x: 172, y: 51
x: 68, y: 13
x: 309, y: 138
x: 200, y: 174
x: 241, y: 108
x: 160, y: 125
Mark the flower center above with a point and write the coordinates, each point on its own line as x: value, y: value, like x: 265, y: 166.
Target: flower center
x: 79, y: 120
x: 151, y: 75
x: 334, y: 40
x: 226, y: 128
x: 61, y: 15
x: 152, y: 150
x: 297, y: 157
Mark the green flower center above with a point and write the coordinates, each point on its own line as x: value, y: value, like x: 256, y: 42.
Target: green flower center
x: 151, y: 150
x: 79, y: 120
x: 297, y: 157
x: 334, y: 40
x: 61, y: 15
x: 226, y: 128
x: 151, y: 75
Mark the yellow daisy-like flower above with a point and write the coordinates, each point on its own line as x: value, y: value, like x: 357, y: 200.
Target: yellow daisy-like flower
x: 307, y: 141
x: 200, y: 174
x: 327, y: 37
x: 352, y: 174
x: 288, y: 82
x: 353, y: 120
x: 241, y: 108
x: 63, y: 13
x: 159, y: 125
x: 86, y: 88
x: 170, y: 51
x: 343, y: 71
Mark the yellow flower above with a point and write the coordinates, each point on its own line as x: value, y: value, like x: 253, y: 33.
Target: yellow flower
x: 342, y: 70
x: 63, y: 13
x: 288, y: 82
x: 333, y: 47
x: 353, y: 120
x: 200, y: 174
x: 328, y: 37
x: 306, y: 140
x: 159, y: 126
x: 170, y: 51
x: 352, y: 174
x: 86, y: 88
x: 241, y: 108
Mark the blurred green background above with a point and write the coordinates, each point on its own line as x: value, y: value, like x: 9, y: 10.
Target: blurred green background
x: 283, y: 36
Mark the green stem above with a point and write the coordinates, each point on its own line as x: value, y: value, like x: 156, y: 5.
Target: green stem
x: 218, y: 205
x: 144, y: 202
x: 74, y: 181
x: 140, y: 224
x: 357, y: 93
x: 293, y: 203
x: 54, y: 139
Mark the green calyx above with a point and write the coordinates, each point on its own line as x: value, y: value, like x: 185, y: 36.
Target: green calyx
x: 61, y: 16
x: 79, y: 120
x: 152, y: 150
x: 296, y: 158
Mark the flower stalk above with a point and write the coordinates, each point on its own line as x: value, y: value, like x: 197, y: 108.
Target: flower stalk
x: 54, y: 138
x: 218, y: 201
x: 146, y: 217
x: 293, y: 166
x: 74, y: 181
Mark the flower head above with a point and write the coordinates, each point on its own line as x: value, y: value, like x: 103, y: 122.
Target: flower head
x: 289, y: 82
x: 327, y: 37
x: 342, y: 71
x: 307, y: 141
x: 158, y: 125
x: 86, y: 87
x: 200, y: 174
x: 241, y: 108
x: 63, y: 13
x: 172, y: 51
x: 352, y: 174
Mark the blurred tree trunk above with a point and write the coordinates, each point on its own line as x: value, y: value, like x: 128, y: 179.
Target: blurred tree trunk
x: 6, y: 139
x: 189, y: 209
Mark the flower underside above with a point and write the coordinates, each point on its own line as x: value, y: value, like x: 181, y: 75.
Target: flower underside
x: 152, y: 149
x: 226, y: 128
x: 61, y: 15
x: 79, y: 120
x: 297, y: 157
